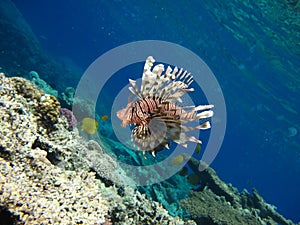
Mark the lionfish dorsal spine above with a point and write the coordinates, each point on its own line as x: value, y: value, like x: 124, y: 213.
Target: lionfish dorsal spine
x: 148, y: 77
x: 134, y: 89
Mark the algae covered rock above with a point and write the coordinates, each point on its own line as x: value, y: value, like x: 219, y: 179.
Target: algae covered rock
x: 215, y: 202
x: 208, y: 208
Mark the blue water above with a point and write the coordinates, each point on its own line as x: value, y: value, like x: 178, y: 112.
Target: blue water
x: 253, y: 50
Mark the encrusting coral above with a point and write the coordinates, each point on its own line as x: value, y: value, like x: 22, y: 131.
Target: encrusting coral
x: 41, y: 84
x: 70, y: 117
x: 216, y: 202
x: 46, y: 173
x: 44, y: 106
x: 33, y: 189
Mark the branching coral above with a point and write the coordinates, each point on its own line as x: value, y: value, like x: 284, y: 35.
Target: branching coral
x: 70, y: 117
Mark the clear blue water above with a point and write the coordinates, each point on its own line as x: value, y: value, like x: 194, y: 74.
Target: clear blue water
x: 253, y: 50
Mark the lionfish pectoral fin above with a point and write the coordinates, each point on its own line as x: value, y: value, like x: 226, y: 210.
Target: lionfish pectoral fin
x: 205, y: 114
x: 185, y: 138
x: 204, y: 126
x: 203, y: 107
x: 184, y: 145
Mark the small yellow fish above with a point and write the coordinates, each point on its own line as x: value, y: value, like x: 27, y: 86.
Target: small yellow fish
x: 198, y: 148
x: 104, y: 118
x: 194, y: 179
x: 177, y: 160
x: 89, y: 125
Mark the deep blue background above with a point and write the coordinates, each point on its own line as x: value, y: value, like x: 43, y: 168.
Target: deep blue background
x: 259, y: 75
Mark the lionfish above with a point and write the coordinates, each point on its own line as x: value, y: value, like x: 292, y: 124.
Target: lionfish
x: 155, y: 111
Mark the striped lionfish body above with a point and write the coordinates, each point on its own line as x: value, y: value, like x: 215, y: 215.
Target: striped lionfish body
x: 155, y: 112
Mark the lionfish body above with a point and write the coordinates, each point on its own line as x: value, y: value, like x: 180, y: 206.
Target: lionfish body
x: 155, y: 112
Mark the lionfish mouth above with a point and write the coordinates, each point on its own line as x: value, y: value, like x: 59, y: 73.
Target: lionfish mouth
x: 155, y: 113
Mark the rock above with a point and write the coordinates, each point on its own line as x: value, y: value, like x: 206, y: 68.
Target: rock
x: 216, y: 202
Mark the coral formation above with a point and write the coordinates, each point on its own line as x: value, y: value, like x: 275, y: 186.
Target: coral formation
x: 31, y: 187
x: 216, y: 202
x: 41, y: 84
x: 46, y: 177
x: 68, y: 95
x: 56, y: 176
x: 44, y: 106
x: 70, y: 117
x: 40, y: 193
x: 209, y: 208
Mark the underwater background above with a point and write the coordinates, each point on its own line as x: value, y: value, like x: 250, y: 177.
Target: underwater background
x: 252, y: 47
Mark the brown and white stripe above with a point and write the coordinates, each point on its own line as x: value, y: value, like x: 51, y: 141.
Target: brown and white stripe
x: 155, y: 112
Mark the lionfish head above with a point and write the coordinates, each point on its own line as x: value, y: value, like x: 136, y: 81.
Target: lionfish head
x: 125, y: 114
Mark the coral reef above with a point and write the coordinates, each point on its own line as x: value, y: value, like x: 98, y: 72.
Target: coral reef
x: 54, y: 176
x: 216, y: 202
x: 31, y: 187
x: 209, y: 208
x: 44, y: 106
x: 68, y: 95
x: 41, y: 84
x: 70, y: 117
x: 40, y: 193
x: 244, y: 208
